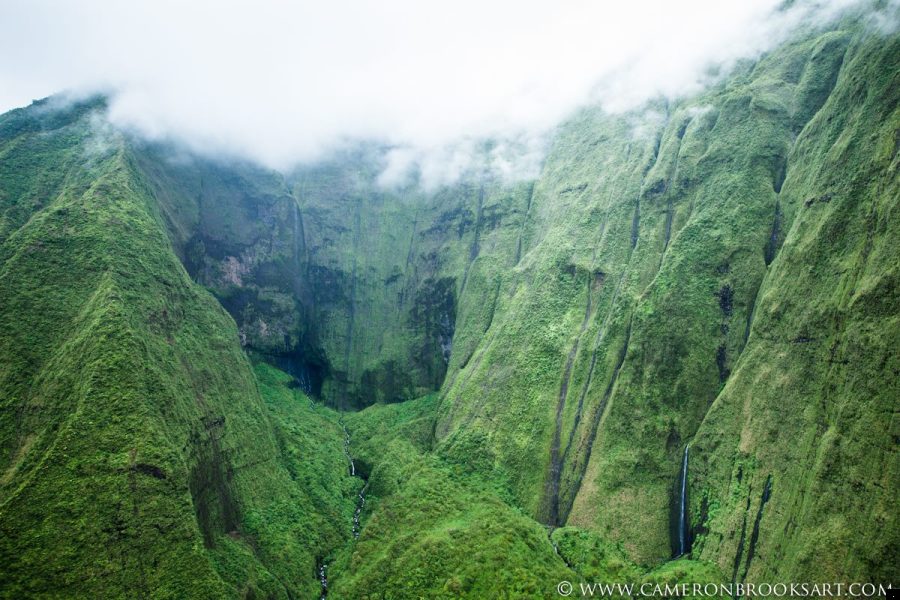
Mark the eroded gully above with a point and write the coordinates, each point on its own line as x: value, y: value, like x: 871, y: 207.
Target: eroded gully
x: 355, y: 526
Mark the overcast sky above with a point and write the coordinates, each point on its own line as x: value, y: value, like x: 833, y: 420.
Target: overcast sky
x: 287, y: 81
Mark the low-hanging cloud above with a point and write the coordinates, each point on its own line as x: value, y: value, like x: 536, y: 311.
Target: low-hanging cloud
x: 284, y: 83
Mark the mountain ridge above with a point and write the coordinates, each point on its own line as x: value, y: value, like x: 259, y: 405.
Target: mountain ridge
x: 718, y: 271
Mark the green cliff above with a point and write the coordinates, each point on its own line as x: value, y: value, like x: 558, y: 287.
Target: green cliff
x: 193, y: 351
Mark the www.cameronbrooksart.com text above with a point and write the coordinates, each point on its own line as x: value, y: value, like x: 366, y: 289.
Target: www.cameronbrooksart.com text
x: 732, y: 590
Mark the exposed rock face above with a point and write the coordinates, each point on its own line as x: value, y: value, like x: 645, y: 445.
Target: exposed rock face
x: 325, y: 272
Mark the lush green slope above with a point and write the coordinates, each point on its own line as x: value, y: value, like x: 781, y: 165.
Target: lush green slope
x: 138, y: 456
x: 590, y: 318
x: 811, y: 410
x: 648, y: 240
x: 719, y: 272
x: 435, y: 529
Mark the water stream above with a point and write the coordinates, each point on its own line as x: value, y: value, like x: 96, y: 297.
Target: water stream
x: 361, y: 496
x: 323, y: 579
x: 347, y: 447
x: 355, y: 527
x: 360, y: 504
x: 684, y: 542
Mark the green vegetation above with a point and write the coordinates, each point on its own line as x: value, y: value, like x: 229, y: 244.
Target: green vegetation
x: 519, y: 367
x: 138, y: 453
x: 654, y: 244
x: 436, y: 530
x: 810, y: 410
x: 433, y: 532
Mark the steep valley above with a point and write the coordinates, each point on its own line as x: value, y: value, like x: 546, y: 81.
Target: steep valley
x: 671, y: 357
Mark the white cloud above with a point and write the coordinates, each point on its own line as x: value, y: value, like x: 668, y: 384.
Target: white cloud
x: 281, y: 82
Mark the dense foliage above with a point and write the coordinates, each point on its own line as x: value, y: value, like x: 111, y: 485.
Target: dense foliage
x: 192, y: 352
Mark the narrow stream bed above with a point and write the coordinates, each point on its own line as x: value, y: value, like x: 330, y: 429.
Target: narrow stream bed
x: 323, y: 579
x: 357, y: 513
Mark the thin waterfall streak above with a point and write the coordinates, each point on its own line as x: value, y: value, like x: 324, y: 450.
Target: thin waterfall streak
x: 361, y: 495
x: 347, y: 447
x: 683, y: 547
x: 360, y: 505
x: 323, y: 580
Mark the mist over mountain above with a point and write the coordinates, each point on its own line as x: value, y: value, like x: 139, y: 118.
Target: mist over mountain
x: 288, y: 84
x: 391, y: 301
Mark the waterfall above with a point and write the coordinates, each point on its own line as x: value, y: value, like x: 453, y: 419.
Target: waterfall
x: 360, y: 505
x: 357, y: 513
x: 304, y: 381
x: 347, y: 446
x: 446, y: 337
x: 323, y: 579
x: 361, y: 496
x: 350, y: 457
x: 684, y: 544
